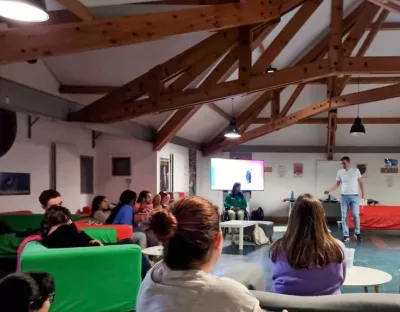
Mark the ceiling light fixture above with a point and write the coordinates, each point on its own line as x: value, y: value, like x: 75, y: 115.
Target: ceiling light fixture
x: 232, y: 131
x: 24, y: 10
x: 357, y: 129
x: 270, y: 70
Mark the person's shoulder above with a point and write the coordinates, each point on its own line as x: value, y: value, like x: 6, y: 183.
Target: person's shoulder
x: 224, y: 287
x: 230, y: 293
x: 341, y: 171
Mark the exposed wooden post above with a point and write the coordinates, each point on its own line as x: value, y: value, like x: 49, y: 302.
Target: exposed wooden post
x: 245, y: 52
x: 275, y: 104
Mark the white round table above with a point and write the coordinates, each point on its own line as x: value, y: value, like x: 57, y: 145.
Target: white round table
x: 156, y: 251
x: 364, y: 277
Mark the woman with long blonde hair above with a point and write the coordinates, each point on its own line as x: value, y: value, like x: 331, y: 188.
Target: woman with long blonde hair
x: 308, y: 260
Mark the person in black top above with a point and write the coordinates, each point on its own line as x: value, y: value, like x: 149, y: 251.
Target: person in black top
x: 58, y: 231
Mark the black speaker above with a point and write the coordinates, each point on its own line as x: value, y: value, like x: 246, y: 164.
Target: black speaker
x: 8, y: 130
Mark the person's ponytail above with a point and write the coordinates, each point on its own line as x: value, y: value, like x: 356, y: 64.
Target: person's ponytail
x: 163, y: 224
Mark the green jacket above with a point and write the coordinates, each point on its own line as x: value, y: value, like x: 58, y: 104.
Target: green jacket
x: 238, y: 201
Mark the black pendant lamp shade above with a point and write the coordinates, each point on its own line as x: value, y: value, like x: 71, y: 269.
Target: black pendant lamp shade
x: 233, y: 130
x: 270, y: 69
x: 357, y: 129
x: 24, y: 10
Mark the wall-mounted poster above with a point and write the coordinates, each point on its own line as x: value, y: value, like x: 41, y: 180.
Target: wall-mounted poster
x: 363, y: 169
x: 298, y: 170
x: 15, y: 183
x: 164, y: 175
x: 192, y: 171
x: 281, y: 171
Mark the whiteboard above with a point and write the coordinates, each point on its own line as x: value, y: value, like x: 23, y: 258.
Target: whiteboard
x: 326, y: 177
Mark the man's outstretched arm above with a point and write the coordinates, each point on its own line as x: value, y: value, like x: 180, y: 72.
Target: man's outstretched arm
x: 334, y: 187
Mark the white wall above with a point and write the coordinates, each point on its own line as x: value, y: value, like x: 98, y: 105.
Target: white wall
x: 181, y: 166
x: 276, y: 188
x: 143, y: 166
x: 33, y: 156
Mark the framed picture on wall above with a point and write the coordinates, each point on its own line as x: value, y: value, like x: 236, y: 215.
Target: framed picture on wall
x: 297, y: 170
x: 121, y: 166
x: 12, y: 183
x: 363, y: 169
x: 164, y: 175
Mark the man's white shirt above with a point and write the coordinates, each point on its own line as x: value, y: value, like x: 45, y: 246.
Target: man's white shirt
x: 349, y: 181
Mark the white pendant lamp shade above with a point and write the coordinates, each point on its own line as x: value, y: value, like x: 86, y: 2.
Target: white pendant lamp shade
x: 24, y: 10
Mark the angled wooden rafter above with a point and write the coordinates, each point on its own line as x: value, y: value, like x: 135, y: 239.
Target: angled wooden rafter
x: 78, y: 9
x: 187, y: 98
x: 21, y: 44
x: 391, y: 5
x: 319, y: 51
x: 373, y: 95
x: 221, y: 72
x: 219, y: 111
x: 170, y: 69
x: 341, y: 121
x: 286, y: 34
x: 245, y: 118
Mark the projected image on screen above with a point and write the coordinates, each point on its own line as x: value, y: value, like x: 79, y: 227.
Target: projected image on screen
x: 225, y: 172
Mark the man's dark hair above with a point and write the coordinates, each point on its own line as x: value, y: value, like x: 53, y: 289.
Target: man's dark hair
x: 47, y: 195
x: 25, y: 292
x: 345, y: 158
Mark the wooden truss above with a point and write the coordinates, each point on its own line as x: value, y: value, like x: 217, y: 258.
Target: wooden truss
x: 240, y: 27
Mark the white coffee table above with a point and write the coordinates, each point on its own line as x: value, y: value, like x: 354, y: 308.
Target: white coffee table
x: 364, y: 277
x: 156, y: 251
x: 238, y: 224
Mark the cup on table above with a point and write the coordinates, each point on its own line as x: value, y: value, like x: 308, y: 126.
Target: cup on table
x: 350, y: 257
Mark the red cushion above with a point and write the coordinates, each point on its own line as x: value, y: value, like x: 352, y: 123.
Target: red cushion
x: 123, y: 231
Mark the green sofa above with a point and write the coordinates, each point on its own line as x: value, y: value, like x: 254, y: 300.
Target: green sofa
x: 9, y: 242
x: 90, y: 279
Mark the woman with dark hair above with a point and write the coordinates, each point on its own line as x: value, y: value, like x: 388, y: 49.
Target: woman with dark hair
x: 58, y: 231
x: 307, y: 260
x: 124, y: 213
x: 144, y: 202
x: 100, y: 209
x: 235, y: 203
x: 190, y: 232
x: 165, y: 199
x: 27, y: 292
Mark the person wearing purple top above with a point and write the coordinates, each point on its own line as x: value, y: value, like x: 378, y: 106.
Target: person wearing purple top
x: 307, y: 260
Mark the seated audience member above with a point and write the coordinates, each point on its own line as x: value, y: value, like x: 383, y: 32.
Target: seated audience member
x: 307, y: 260
x: 124, y: 213
x: 190, y: 232
x: 100, y: 210
x: 144, y: 202
x: 165, y: 199
x: 58, y: 231
x: 235, y: 203
x: 50, y: 198
x: 157, y: 201
x: 27, y: 292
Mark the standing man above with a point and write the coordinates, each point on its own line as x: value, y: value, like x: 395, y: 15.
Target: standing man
x: 349, y: 178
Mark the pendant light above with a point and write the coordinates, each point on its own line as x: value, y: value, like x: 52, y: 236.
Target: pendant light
x: 232, y: 131
x: 270, y: 70
x: 357, y: 129
x: 24, y: 10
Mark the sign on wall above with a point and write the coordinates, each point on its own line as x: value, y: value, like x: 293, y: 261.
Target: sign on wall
x: 164, y: 175
x: 298, y: 170
x: 15, y: 183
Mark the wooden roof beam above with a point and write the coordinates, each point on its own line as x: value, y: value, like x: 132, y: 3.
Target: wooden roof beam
x: 187, y: 98
x: 340, y: 121
x: 286, y: 34
x: 22, y: 44
x: 220, y: 73
x: 169, y: 69
x: 379, y: 94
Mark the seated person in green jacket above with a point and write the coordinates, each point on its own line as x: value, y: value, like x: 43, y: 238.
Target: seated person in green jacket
x: 235, y: 203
